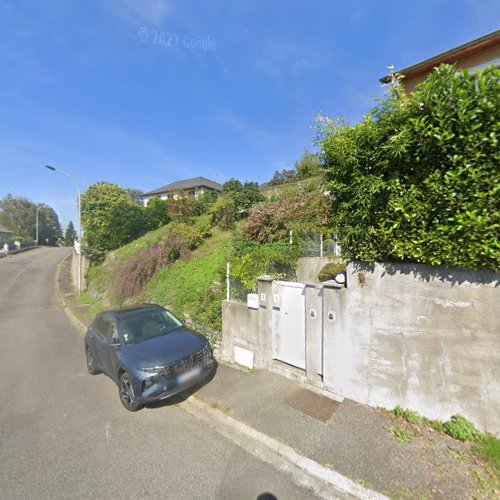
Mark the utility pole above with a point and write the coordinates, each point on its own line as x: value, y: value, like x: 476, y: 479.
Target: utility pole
x: 79, y: 223
x: 36, y: 236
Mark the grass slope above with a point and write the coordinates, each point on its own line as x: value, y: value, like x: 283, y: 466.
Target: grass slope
x: 188, y: 287
x: 136, y: 246
x: 184, y: 285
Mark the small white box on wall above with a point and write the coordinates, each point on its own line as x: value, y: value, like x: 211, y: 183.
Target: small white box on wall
x: 243, y: 357
x: 253, y: 301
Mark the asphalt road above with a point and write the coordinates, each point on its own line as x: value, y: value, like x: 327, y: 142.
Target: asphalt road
x: 64, y: 433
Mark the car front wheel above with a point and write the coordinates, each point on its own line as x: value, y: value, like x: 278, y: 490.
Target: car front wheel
x: 127, y: 393
x: 91, y: 364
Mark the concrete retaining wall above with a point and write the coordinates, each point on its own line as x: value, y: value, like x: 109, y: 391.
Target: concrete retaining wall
x: 422, y: 337
x: 74, y: 270
x: 308, y: 268
x: 240, y: 328
x: 425, y: 338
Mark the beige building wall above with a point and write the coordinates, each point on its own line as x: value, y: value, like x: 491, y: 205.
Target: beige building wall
x: 480, y: 60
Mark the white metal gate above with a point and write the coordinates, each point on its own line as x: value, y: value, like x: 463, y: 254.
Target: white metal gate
x: 289, y: 327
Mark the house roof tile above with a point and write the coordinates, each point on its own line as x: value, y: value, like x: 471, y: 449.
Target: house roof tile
x: 186, y: 184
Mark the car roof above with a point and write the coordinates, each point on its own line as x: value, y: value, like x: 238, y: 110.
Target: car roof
x: 128, y: 309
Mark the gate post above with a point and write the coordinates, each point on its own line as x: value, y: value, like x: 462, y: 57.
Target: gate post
x: 334, y: 360
x: 265, y: 355
x: 314, y: 334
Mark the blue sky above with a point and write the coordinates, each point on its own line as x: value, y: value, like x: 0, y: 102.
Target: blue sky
x: 98, y: 88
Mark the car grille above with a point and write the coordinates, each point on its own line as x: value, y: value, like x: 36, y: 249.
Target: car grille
x: 187, y: 363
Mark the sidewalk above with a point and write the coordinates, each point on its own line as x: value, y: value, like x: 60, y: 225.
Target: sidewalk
x: 353, y: 439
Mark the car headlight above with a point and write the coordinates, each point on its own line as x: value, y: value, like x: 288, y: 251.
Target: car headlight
x: 152, y: 369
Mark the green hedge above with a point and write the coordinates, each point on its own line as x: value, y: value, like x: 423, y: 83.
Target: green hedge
x: 418, y: 179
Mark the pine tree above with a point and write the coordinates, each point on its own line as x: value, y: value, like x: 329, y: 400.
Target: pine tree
x: 69, y: 234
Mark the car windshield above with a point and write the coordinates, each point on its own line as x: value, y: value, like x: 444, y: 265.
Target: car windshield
x: 145, y: 325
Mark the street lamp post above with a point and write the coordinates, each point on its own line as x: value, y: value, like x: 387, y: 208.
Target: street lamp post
x: 36, y: 237
x: 79, y: 223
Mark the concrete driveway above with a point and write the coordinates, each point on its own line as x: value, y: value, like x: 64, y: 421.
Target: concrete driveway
x: 64, y: 434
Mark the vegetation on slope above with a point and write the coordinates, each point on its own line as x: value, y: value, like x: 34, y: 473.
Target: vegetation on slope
x: 191, y: 284
x: 194, y: 288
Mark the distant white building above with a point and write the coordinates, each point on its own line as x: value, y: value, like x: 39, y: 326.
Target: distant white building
x: 5, y: 235
x: 181, y: 189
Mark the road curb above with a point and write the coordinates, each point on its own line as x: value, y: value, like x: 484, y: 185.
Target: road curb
x: 62, y: 301
x: 325, y: 482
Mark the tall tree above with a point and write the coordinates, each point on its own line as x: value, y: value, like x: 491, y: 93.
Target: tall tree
x: 110, y: 219
x: 244, y: 194
x: 156, y: 213
x: 49, y: 227
x: 308, y: 165
x: 70, y: 234
x: 18, y: 214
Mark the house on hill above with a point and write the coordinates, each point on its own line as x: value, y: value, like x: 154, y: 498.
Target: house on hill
x: 188, y: 187
x: 5, y: 235
x: 473, y: 55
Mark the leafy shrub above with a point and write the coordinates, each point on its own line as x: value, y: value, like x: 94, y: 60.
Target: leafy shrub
x: 224, y: 211
x: 252, y: 260
x: 417, y: 180
x: 179, y: 240
x: 460, y: 428
x: 189, y: 234
x: 209, y: 310
x: 410, y: 416
x: 110, y: 219
x: 398, y: 412
x: 156, y: 213
x: 437, y: 425
x: 203, y: 225
x: 301, y: 211
x: 131, y: 276
x: 245, y: 195
x: 204, y: 202
x: 308, y: 166
x: 182, y: 208
x: 330, y: 271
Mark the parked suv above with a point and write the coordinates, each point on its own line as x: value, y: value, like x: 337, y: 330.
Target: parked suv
x: 148, y: 352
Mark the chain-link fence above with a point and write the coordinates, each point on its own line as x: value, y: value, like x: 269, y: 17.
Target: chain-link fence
x: 316, y: 245
x: 310, y: 245
x: 237, y: 290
